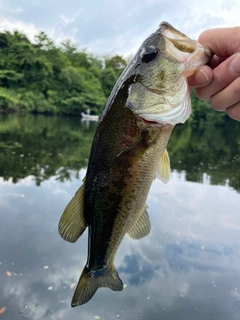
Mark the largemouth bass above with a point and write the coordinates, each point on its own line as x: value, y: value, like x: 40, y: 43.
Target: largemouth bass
x: 128, y: 151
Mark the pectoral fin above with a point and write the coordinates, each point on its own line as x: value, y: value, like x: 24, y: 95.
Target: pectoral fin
x: 142, y: 226
x: 164, y: 169
x: 72, y: 223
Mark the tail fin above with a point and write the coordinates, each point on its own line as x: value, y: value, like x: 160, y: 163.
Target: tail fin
x: 89, y: 282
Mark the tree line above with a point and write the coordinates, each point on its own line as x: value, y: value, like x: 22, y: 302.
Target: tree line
x: 40, y: 77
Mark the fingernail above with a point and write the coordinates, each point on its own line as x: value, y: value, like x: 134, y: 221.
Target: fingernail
x: 235, y: 65
x: 201, y: 76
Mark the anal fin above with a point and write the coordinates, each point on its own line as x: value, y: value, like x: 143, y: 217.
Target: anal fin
x: 142, y: 226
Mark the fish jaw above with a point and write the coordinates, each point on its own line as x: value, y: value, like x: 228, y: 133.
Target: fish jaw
x: 196, y: 60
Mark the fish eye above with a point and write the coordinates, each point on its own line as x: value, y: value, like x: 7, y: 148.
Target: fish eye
x: 149, y: 54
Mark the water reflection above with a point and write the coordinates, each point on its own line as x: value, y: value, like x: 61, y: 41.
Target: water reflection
x: 187, y: 268
x: 43, y: 146
x: 48, y: 146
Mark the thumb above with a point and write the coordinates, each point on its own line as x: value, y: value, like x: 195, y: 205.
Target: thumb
x: 201, y: 77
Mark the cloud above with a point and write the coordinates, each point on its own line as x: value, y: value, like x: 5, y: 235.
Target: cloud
x: 12, y: 25
x: 106, y: 26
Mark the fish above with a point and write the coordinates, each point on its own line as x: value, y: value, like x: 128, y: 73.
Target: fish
x: 128, y: 151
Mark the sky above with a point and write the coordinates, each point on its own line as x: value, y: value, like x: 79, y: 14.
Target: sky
x: 114, y: 26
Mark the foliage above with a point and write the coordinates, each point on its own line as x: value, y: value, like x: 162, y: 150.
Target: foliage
x: 40, y: 77
x: 203, y: 113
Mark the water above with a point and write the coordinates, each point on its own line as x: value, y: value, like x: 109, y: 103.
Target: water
x: 187, y: 268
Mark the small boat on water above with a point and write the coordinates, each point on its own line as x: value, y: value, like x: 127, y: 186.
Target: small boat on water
x: 86, y: 116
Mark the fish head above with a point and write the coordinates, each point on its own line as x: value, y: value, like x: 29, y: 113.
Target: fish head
x: 159, y: 92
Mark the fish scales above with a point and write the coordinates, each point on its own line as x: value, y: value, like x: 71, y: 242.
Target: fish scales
x: 114, y: 183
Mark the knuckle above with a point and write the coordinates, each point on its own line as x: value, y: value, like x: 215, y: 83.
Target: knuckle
x: 214, y: 103
x: 234, y: 112
x: 202, y: 94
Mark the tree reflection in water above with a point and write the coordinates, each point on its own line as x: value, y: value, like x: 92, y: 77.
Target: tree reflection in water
x: 52, y: 146
x: 188, y: 266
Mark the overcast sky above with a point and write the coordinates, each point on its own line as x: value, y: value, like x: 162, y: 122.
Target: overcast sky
x: 114, y: 26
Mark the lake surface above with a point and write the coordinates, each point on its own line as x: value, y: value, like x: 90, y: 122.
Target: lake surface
x: 187, y: 268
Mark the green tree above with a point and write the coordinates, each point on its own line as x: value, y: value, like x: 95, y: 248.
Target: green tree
x: 117, y: 63
x: 108, y: 79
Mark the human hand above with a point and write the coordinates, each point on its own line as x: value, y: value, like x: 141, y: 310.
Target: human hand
x: 219, y: 82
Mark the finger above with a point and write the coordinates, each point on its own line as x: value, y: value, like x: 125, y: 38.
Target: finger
x: 227, y: 97
x: 201, y: 77
x: 234, y: 111
x: 223, y: 75
x: 224, y: 42
x: 215, y: 61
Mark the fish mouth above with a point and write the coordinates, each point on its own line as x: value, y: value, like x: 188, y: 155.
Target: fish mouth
x: 181, y: 41
x: 188, y: 51
x: 149, y: 122
x: 169, y: 31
